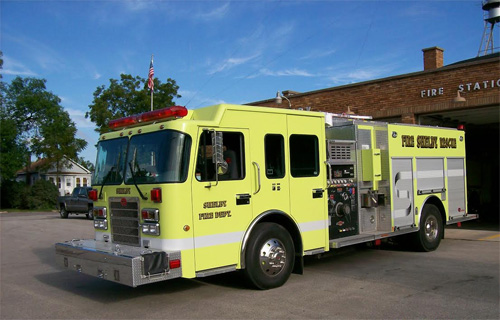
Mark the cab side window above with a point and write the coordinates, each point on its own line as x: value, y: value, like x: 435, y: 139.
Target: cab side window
x: 233, y: 156
x: 275, y: 156
x: 304, y: 156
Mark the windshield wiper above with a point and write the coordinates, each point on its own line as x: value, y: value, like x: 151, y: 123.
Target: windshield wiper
x: 135, y: 183
x: 106, y: 178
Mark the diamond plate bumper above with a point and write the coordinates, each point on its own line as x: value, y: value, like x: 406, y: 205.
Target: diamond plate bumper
x: 118, y: 263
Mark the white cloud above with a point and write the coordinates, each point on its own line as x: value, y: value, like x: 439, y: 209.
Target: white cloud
x: 78, y: 117
x: 282, y: 73
x: 317, y: 54
x: 231, y: 63
x: 359, y: 75
x: 16, y: 68
x: 41, y: 53
x: 215, y: 14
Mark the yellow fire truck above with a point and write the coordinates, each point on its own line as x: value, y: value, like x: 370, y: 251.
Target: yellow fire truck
x: 194, y: 193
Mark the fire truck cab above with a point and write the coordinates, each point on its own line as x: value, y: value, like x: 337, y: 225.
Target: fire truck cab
x: 181, y: 193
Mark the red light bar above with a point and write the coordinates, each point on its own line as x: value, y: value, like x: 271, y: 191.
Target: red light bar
x: 171, y: 112
x: 122, y: 122
x: 160, y: 114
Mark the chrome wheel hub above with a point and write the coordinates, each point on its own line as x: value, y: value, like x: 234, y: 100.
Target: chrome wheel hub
x: 272, y: 257
x: 431, y: 228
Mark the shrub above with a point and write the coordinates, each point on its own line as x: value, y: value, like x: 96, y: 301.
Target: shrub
x: 13, y: 194
x: 43, y: 195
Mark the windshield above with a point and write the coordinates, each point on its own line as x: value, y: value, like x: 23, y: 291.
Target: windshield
x: 111, y: 155
x: 157, y: 157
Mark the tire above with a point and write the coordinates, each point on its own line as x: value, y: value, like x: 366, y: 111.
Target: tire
x: 431, y: 230
x: 269, y: 256
x: 63, y: 213
x: 90, y: 213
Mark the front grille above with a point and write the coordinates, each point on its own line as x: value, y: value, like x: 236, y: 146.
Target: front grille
x: 125, y: 220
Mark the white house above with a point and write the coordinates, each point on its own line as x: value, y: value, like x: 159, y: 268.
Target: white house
x: 70, y: 175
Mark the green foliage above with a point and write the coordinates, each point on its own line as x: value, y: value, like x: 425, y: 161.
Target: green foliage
x: 42, y: 195
x: 87, y: 164
x: 13, y: 194
x: 12, y: 153
x: 37, y: 124
x: 128, y: 96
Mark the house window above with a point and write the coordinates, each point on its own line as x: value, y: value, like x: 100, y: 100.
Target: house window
x: 68, y: 182
x: 59, y: 183
x: 84, y: 182
x: 78, y: 182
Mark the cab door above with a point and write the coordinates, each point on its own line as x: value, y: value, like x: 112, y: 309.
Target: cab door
x: 308, y: 203
x: 222, y: 203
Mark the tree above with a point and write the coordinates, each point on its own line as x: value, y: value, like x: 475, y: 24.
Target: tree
x: 87, y: 164
x: 43, y: 127
x: 128, y: 96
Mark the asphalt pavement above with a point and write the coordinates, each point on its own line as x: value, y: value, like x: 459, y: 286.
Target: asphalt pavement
x: 460, y: 280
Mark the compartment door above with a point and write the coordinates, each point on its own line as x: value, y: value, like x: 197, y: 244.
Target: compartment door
x: 402, y: 186
x: 456, y: 187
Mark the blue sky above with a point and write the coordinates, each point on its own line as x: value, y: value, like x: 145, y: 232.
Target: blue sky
x: 226, y: 51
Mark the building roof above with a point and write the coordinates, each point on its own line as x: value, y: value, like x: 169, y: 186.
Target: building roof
x: 41, y: 165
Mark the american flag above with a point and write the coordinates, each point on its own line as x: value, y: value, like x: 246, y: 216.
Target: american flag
x: 151, y: 83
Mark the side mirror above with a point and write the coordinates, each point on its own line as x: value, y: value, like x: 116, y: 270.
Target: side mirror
x: 218, y: 153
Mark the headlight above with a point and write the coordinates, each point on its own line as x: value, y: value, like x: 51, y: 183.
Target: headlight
x: 150, y: 228
x: 101, y: 224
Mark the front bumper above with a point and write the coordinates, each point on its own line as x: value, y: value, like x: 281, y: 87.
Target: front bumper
x: 131, y: 266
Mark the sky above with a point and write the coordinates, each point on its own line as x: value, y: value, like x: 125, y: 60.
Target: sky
x: 226, y: 51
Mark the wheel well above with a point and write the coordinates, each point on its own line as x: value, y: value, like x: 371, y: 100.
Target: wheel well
x: 439, y: 204
x: 283, y: 220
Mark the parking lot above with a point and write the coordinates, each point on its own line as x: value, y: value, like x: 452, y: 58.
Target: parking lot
x: 460, y: 280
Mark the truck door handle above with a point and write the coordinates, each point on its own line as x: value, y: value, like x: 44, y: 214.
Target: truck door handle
x: 318, y: 193
x: 243, y: 198
x: 258, y: 176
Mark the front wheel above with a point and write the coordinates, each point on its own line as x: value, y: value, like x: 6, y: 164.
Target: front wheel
x: 90, y: 213
x: 431, y: 229
x: 63, y: 212
x: 269, y: 256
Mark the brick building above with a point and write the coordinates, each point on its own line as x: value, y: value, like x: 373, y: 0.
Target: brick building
x: 463, y: 93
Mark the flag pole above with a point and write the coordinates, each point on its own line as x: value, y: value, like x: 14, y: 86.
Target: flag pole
x: 151, y: 83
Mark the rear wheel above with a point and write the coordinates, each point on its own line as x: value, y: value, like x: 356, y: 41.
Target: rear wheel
x: 269, y: 256
x: 431, y: 229
x: 63, y: 212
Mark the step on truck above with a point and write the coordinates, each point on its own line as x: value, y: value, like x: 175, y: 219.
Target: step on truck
x: 195, y: 193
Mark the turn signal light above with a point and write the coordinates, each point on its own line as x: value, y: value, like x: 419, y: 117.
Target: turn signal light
x: 151, y: 215
x: 100, y: 212
x: 174, y: 264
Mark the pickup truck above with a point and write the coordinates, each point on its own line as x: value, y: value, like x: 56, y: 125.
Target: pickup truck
x: 78, y: 202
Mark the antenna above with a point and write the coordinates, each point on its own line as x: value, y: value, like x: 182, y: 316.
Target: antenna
x: 491, y: 17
